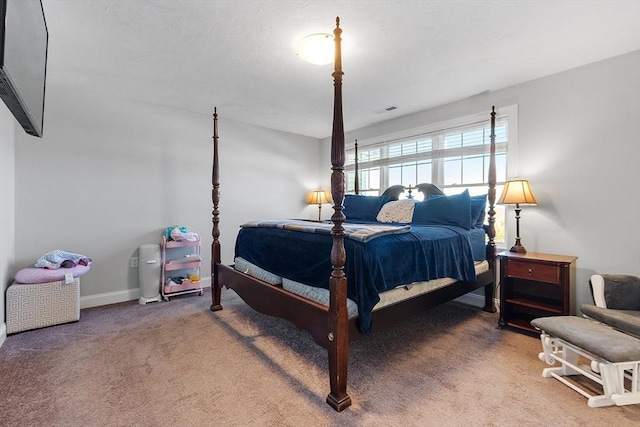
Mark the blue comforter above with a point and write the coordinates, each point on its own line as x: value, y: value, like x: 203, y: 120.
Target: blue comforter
x: 424, y: 253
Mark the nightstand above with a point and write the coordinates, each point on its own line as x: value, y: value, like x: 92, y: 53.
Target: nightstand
x: 535, y: 285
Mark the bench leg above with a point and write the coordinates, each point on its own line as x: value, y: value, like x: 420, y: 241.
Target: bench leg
x: 552, y: 348
x: 611, y: 376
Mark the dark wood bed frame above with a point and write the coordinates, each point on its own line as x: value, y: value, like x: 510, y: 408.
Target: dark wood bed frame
x: 330, y: 326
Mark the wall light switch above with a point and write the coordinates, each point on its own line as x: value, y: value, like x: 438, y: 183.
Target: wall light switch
x: 133, y: 262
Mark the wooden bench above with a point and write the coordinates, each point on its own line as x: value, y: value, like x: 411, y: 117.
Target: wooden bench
x: 615, y: 357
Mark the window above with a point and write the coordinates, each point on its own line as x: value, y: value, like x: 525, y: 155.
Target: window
x: 453, y: 155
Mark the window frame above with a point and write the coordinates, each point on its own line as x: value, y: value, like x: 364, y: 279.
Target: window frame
x: 438, y: 129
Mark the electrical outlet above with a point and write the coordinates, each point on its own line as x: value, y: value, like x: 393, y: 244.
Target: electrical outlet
x: 133, y: 262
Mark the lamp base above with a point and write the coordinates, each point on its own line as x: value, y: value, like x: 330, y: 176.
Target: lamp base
x: 518, y: 248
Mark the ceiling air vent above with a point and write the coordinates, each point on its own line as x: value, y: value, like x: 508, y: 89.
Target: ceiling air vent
x: 387, y: 109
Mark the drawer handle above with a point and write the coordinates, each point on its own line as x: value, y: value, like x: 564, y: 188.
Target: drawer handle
x: 530, y: 271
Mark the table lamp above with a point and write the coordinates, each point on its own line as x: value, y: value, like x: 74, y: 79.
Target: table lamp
x: 517, y: 192
x: 318, y: 197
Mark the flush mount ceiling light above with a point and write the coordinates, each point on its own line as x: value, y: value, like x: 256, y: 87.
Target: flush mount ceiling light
x: 316, y: 48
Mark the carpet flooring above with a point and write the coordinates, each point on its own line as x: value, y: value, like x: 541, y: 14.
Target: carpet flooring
x: 178, y: 364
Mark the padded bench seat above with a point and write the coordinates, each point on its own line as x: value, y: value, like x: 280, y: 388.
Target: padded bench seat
x: 614, y: 356
x: 596, y: 338
x: 623, y: 320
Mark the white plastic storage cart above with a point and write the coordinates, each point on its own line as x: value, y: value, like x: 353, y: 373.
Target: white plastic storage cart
x: 181, y: 265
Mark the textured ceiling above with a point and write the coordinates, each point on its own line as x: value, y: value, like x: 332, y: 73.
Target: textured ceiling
x: 239, y: 55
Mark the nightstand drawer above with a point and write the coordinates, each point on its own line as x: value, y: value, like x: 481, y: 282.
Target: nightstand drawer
x: 533, y: 271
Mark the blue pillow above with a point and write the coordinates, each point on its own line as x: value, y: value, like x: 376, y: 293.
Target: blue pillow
x: 363, y: 208
x: 478, y: 210
x: 445, y: 210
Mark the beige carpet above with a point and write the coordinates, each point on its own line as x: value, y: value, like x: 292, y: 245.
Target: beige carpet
x: 178, y: 364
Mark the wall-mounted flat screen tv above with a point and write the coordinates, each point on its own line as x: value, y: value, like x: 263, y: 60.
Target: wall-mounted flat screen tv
x: 23, y: 61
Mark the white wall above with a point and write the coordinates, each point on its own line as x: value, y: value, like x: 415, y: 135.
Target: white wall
x: 7, y: 201
x: 579, y: 146
x: 110, y: 174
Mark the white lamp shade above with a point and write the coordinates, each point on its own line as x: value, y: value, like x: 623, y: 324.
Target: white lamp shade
x: 318, y: 197
x: 517, y: 191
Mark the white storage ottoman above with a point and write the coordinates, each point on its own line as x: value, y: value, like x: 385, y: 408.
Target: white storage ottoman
x: 36, y: 305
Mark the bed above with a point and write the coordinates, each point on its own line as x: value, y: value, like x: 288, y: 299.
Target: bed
x: 332, y: 293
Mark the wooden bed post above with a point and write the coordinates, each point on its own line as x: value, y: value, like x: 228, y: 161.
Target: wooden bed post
x: 491, y: 228
x: 356, y: 185
x: 338, y: 321
x: 215, y: 231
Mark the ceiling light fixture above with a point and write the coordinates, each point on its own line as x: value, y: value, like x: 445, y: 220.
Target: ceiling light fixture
x: 316, y: 48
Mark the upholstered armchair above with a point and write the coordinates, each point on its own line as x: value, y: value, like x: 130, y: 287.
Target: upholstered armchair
x: 617, y: 302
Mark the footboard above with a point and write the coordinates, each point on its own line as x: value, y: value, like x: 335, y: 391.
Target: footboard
x: 272, y: 300
x: 311, y: 316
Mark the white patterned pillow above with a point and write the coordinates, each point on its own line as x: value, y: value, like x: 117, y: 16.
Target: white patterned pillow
x: 397, y: 211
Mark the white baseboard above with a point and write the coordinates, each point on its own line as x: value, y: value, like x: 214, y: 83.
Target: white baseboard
x: 134, y: 294
x: 104, y: 299
x: 121, y: 296
x: 3, y: 333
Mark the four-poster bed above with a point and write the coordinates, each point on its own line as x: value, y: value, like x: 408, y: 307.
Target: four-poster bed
x: 330, y: 323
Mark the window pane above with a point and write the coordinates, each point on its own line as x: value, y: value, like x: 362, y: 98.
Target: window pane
x: 473, y: 137
x: 351, y: 155
x: 395, y: 175
x: 408, y: 174
x: 453, y: 140
x: 395, y: 151
x: 373, y: 154
x: 409, y: 148
x: 472, y: 169
x: 370, y: 179
x: 500, y: 218
x: 501, y: 133
x: 425, y: 145
x: 501, y: 167
x: 477, y: 190
x: 364, y: 179
x: 351, y: 181
x: 424, y: 173
x: 374, y: 178
x: 363, y: 155
x: 452, y: 171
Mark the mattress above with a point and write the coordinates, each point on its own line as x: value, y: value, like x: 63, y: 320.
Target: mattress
x: 36, y: 305
x: 321, y: 295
